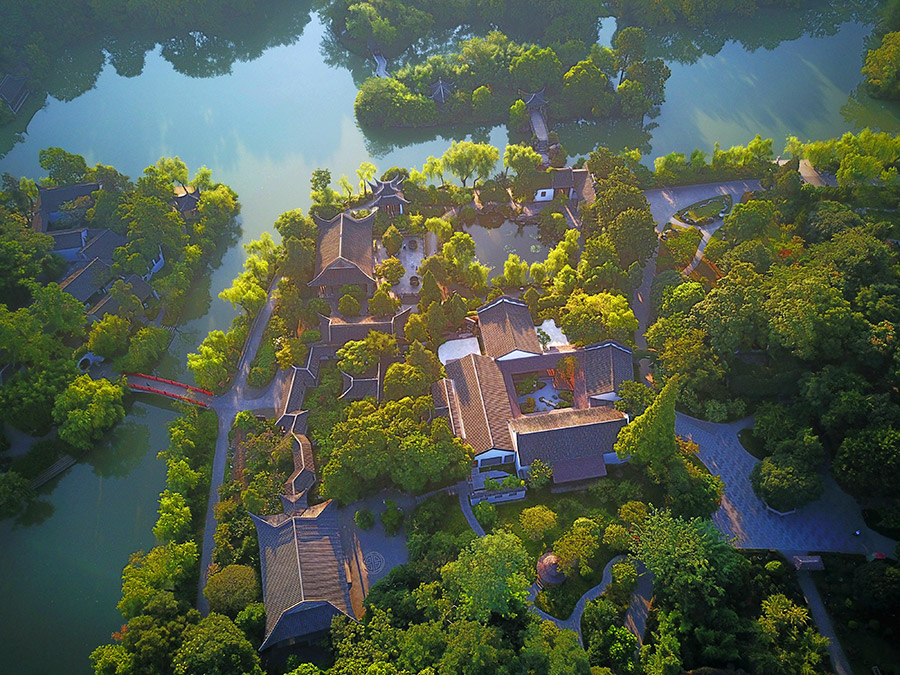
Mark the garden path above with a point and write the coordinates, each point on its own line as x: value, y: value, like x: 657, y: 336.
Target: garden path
x: 823, y: 622
x: 635, y: 617
x: 238, y: 397
x: 828, y: 524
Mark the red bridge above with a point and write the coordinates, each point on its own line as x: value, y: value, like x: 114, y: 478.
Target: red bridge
x: 169, y: 388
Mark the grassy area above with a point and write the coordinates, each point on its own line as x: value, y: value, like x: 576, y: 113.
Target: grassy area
x: 705, y: 211
x: 752, y: 444
x: 868, y: 638
x: 601, y: 503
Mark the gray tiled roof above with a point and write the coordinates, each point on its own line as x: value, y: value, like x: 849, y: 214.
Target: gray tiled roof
x: 606, y: 366
x: 50, y: 200
x: 87, y: 281
x: 66, y: 240
x: 345, y: 253
x: 562, y: 179
x: 571, y: 441
x: 303, y: 572
x: 103, y: 245
x: 506, y: 326
x: 483, y: 403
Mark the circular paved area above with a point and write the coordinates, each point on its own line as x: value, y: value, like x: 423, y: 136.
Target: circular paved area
x: 373, y: 561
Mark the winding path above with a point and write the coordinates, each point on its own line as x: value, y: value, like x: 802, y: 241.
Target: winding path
x: 635, y: 617
x: 239, y: 397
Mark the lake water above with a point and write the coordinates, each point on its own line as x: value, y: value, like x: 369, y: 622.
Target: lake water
x: 263, y: 128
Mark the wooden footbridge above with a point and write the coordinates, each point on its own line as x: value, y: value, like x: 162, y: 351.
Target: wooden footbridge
x: 177, y: 391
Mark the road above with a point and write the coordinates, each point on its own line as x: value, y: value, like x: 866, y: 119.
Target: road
x: 239, y: 397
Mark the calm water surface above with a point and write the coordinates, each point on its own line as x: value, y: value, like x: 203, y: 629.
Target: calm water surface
x: 263, y: 129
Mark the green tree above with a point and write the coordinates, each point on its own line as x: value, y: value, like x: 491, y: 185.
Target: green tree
x: 174, y: 523
x: 87, y: 409
x: 587, y: 90
x: 349, y: 306
x: 215, y: 646
x: 15, y: 494
x: 109, y: 336
x: 536, y: 521
x: 650, y: 440
x: 577, y: 546
x: 535, y: 68
x: 382, y: 304
x: 489, y: 576
x: 882, y: 76
x: 539, y: 474
x: 63, y: 168
x: 169, y: 568
x: 426, y: 361
x: 465, y: 159
x: 392, y: 240
x: 522, y: 159
x: 232, y: 590
x: 866, y: 463
x: 391, y: 270
x: 789, y: 643
x: 633, y: 234
x: 402, y: 380
x: 693, y: 566
x: 750, y: 220
x: 429, y: 292
x: 591, y: 318
x: 634, y: 398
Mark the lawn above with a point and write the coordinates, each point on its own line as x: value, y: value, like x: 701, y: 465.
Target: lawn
x: 601, y: 503
x: 869, y: 639
x: 752, y: 444
x: 705, y: 211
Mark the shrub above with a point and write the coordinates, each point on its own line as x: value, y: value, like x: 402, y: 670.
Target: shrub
x: 528, y: 405
x: 232, y: 590
x: 264, y: 366
x: 391, y: 518
x: 310, y: 336
x: 537, y: 521
x: 349, y: 306
x: 539, y: 474
x: 364, y: 519
x: 486, y: 515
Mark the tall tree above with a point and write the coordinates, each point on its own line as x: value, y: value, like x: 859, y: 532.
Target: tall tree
x: 650, y: 440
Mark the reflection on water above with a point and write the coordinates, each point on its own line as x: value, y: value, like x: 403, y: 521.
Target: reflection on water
x: 495, y: 244
x: 61, y: 568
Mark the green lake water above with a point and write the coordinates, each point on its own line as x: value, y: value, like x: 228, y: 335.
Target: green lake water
x: 263, y: 128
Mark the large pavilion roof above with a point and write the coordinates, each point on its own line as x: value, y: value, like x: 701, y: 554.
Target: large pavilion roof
x: 506, y: 328
x: 345, y: 242
x: 303, y: 573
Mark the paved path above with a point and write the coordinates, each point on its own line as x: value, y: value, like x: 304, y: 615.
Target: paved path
x: 827, y: 524
x: 635, y: 617
x: 380, y: 65
x: 666, y: 202
x: 463, y: 490
x: 817, y: 610
x: 642, y: 311
x: 239, y: 397
x: 539, y: 126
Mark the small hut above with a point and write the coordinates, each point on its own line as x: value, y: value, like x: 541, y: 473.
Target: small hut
x: 440, y: 91
x: 548, y: 570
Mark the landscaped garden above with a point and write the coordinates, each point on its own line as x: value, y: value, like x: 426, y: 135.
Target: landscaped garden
x: 862, y: 599
x: 706, y: 211
x: 542, y: 531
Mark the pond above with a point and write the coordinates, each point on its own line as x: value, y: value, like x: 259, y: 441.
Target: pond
x: 494, y: 244
x: 263, y: 125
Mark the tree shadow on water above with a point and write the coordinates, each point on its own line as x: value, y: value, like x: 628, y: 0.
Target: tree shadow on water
x: 122, y: 450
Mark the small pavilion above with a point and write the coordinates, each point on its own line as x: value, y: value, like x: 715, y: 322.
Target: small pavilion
x: 389, y: 195
x: 440, y: 91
